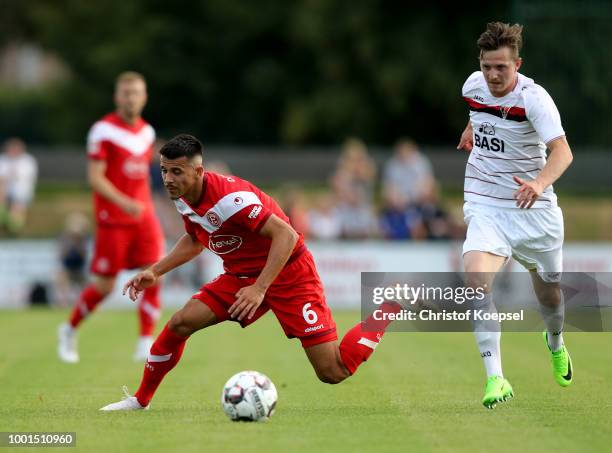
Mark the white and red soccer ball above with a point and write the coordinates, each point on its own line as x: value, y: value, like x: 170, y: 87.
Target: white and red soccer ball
x: 249, y: 396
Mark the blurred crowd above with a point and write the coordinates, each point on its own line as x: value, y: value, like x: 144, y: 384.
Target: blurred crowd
x: 399, y: 201
x: 18, y: 175
x: 401, y: 204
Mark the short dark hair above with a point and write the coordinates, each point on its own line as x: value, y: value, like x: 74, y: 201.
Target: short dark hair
x: 183, y: 145
x: 498, y: 35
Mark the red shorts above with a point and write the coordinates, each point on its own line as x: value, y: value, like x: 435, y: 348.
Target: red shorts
x: 296, y: 298
x: 119, y: 247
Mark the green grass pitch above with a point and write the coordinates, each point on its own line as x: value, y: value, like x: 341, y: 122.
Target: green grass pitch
x: 418, y: 392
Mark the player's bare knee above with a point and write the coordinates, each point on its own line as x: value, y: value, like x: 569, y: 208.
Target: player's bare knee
x: 478, y: 279
x: 104, y: 285
x: 179, y: 325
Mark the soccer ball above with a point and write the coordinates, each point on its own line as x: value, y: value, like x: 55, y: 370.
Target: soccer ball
x: 249, y: 396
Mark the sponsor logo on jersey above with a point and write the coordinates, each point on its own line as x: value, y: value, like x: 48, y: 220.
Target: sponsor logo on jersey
x: 490, y: 144
x: 255, y: 212
x: 479, y: 98
x: 213, y: 218
x: 487, y: 128
x: 222, y: 244
x: 135, y: 168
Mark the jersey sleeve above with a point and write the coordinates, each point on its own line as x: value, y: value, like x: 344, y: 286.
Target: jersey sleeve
x: 252, y: 217
x: 542, y: 112
x: 97, y: 146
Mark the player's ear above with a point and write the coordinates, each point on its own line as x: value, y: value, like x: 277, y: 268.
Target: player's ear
x: 518, y: 62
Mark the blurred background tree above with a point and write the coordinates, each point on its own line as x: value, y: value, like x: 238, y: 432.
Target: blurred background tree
x: 302, y: 72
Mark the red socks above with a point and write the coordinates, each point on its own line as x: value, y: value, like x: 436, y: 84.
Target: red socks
x: 359, y: 343
x: 148, y: 310
x: 165, y: 354
x: 90, y: 298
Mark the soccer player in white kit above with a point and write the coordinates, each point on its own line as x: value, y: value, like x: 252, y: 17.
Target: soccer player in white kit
x: 510, y: 206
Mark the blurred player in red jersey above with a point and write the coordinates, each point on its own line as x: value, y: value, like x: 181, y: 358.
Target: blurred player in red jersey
x: 128, y: 234
x: 267, y: 267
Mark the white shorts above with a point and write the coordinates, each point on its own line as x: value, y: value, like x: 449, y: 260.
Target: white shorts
x: 533, y: 237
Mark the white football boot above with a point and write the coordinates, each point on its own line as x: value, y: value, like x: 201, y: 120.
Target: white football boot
x: 67, y: 344
x: 128, y: 403
x: 142, y: 349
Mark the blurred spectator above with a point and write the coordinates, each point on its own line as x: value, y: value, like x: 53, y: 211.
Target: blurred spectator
x: 72, y: 275
x: 438, y: 223
x: 407, y: 174
x: 400, y: 221
x: 324, y: 219
x: 18, y: 173
x: 157, y: 182
x: 355, y: 172
x: 293, y: 203
x: 353, y: 184
x: 217, y: 166
x: 357, y: 218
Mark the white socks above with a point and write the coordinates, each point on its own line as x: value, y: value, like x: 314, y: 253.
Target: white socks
x: 488, y: 336
x: 553, y: 320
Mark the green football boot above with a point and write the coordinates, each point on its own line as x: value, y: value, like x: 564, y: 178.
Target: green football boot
x: 497, y: 390
x: 561, y: 364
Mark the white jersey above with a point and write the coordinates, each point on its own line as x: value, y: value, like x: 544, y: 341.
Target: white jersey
x: 510, y: 136
x: 18, y: 175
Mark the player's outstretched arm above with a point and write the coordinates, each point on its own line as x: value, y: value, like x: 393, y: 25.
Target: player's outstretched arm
x: 558, y: 161
x: 96, y: 175
x: 284, y: 238
x: 186, y: 248
x: 466, y: 142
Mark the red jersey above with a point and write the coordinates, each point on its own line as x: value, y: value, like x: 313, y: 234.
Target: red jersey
x: 227, y: 220
x: 127, y: 150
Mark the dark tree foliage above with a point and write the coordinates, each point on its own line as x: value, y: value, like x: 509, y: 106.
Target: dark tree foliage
x: 306, y: 71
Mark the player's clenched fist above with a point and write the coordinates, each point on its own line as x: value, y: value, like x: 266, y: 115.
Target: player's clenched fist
x: 248, y: 299
x: 141, y: 281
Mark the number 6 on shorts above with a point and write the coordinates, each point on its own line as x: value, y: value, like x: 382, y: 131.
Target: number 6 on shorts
x: 310, y: 316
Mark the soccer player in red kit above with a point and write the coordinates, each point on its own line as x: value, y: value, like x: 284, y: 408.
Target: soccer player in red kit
x: 128, y: 234
x: 267, y: 267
